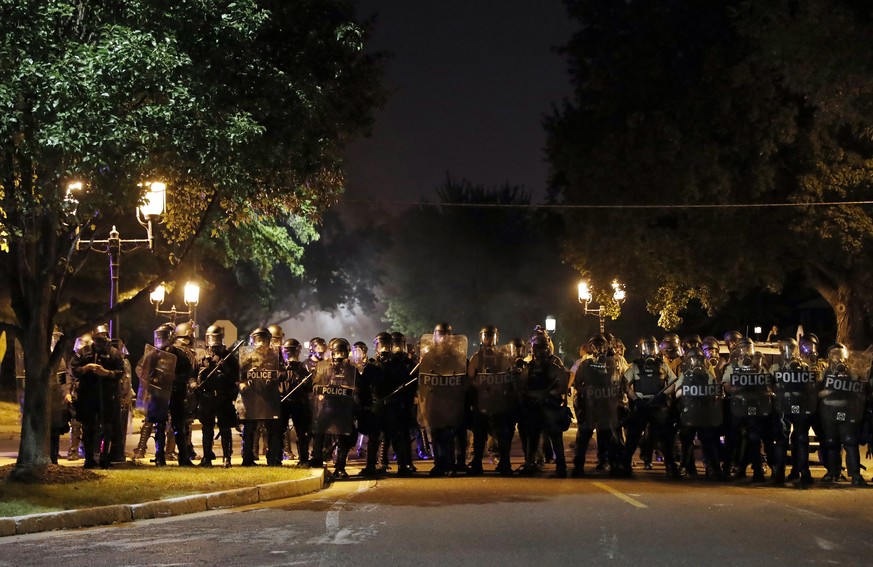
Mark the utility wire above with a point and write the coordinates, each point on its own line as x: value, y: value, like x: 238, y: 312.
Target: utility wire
x: 582, y: 206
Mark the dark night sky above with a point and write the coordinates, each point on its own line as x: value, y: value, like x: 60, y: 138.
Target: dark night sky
x: 471, y: 81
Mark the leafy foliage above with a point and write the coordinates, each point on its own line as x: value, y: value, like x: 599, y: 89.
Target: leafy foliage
x: 719, y: 103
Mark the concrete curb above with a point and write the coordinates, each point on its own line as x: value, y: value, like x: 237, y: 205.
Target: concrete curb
x: 121, y: 513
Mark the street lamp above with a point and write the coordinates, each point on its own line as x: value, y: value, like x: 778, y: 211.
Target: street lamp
x: 150, y: 211
x: 191, y: 297
x: 551, y: 324
x: 618, y: 294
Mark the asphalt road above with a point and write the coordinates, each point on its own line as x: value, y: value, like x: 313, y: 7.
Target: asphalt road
x: 492, y: 521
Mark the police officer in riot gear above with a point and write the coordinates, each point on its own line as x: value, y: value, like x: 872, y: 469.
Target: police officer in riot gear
x: 796, y: 402
x: 185, y: 343
x: 97, y: 372
x: 371, y: 392
x: 544, y: 383
x: 598, y: 391
x: 217, y: 383
x: 297, y: 398
x: 334, y: 405
x: 701, y: 411
x: 493, y: 375
x: 647, y: 378
x: 844, y: 394
x: 442, y: 388
x: 259, y: 388
x: 161, y: 407
x: 749, y: 386
x: 730, y: 340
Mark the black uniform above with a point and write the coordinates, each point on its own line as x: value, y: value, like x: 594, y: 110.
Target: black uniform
x: 218, y: 388
x: 96, y: 401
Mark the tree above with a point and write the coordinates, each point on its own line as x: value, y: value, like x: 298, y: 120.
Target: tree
x: 241, y: 107
x: 681, y: 104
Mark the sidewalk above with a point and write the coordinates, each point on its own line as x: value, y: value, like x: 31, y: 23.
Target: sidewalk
x: 121, y: 513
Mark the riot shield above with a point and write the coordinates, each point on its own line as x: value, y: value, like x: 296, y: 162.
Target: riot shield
x: 333, y: 398
x: 494, y: 383
x: 750, y: 392
x: 843, y: 398
x: 702, y: 400
x: 259, y: 382
x: 601, y: 386
x: 442, y: 381
x: 157, y: 373
x: 796, y: 389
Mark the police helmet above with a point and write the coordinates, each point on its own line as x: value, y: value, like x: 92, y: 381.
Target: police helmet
x: 277, y: 334
x: 317, y: 348
x: 441, y: 330
x: 383, y: 342
x: 83, y: 344
x: 260, y: 337
x: 540, y: 345
x: 518, y: 347
x: 398, y: 342
x: 185, y: 333
x: 731, y: 337
x: 694, y: 357
x: 291, y: 350
x: 165, y: 336
x: 339, y: 349
x: 788, y: 348
x: 692, y: 341
x: 710, y: 347
x: 214, y: 336
x: 745, y: 345
x: 597, y: 345
x: 648, y: 347
x: 488, y: 335
x: 838, y: 354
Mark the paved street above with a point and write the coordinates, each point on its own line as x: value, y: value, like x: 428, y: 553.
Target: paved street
x: 491, y: 521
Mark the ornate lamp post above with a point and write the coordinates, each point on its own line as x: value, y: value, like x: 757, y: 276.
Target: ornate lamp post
x: 191, y: 297
x: 147, y: 213
x: 618, y: 294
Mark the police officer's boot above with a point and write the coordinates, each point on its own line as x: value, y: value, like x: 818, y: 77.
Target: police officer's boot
x: 853, y: 465
x: 144, y: 433
x: 179, y: 432
x: 289, y: 451
x: 303, y: 448
x: 226, y: 446
x: 160, y: 444
x: 170, y: 453
x: 75, y: 440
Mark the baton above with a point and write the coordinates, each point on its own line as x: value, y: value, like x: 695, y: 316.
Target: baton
x: 308, y: 376
x: 233, y: 349
x: 397, y: 391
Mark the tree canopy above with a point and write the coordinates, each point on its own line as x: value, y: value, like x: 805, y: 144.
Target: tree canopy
x: 680, y: 104
x: 240, y: 106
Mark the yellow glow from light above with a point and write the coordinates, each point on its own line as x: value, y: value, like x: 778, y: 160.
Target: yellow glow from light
x: 157, y: 296
x: 192, y: 293
x: 584, y: 292
x: 155, y: 199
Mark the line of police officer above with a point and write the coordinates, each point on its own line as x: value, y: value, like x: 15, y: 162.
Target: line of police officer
x: 750, y: 404
x: 661, y: 395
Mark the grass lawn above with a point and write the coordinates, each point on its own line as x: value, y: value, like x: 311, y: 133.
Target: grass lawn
x: 8, y: 413
x: 133, y: 485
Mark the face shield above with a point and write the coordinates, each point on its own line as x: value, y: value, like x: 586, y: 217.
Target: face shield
x: 648, y: 349
x: 838, y: 357
x: 163, y: 339
x: 788, y: 350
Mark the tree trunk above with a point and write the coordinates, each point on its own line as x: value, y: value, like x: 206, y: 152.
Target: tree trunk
x: 33, y: 450
x: 853, y: 323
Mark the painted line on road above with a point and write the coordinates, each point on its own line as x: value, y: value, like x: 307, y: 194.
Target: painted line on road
x: 331, y: 519
x: 620, y: 495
